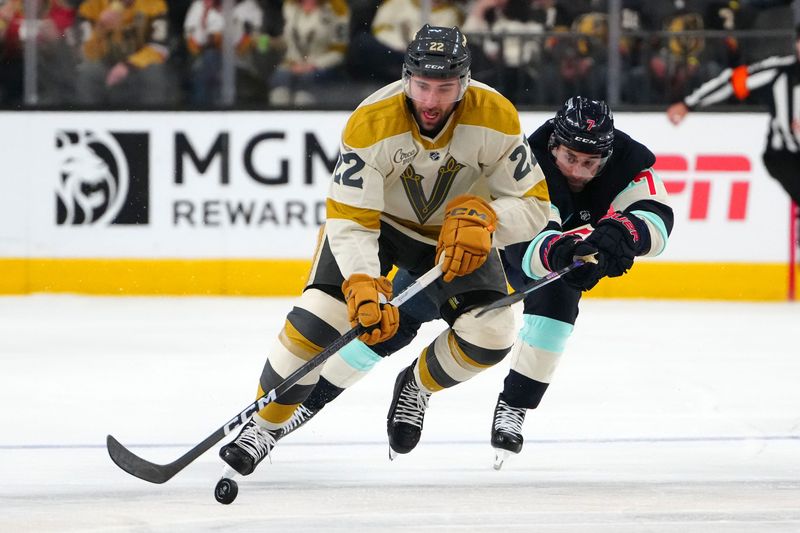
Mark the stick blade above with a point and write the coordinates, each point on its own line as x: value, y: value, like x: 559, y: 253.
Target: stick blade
x: 135, y: 465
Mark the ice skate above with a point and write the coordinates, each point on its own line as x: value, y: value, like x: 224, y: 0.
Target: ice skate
x: 506, y: 431
x: 300, y: 416
x: 249, y: 448
x: 406, y: 414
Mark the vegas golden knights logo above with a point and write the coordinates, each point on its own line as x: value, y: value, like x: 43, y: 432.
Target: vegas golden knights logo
x: 412, y: 182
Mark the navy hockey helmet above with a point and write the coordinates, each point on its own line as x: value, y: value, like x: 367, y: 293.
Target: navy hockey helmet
x: 585, y: 126
x: 440, y: 53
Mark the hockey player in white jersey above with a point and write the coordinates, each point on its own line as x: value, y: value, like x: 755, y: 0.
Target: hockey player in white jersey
x: 410, y: 154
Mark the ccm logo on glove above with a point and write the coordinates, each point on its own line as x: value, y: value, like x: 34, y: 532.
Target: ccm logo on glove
x: 466, y: 235
x: 458, y: 211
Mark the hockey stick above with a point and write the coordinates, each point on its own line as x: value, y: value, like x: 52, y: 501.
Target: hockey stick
x: 519, y: 295
x: 156, y: 473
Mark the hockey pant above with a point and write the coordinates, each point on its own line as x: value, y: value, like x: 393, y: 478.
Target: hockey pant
x: 463, y: 350
x: 320, y: 316
x: 548, y: 320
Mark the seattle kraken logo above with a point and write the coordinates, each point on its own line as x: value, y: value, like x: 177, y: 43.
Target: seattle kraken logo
x: 102, y: 178
x: 412, y: 182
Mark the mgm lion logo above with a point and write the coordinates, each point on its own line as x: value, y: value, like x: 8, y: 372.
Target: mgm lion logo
x: 101, y: 180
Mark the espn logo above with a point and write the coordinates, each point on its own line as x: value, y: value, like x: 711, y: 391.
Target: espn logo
x: 698, y: 183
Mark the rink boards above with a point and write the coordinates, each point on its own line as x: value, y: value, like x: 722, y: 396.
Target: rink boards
x: 231, y: 203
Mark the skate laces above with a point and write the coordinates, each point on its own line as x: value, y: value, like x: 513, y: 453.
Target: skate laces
x: 411, y: 404
x: 509, y: 419
x: 256, y: 441
x: 300, y: 416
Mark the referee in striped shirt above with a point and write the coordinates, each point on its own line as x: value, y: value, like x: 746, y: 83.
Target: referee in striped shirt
x: 779, y: 78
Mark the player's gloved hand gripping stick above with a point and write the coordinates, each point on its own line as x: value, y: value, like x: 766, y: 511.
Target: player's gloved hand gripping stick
x: 156, y: 473
x: 519, y: 295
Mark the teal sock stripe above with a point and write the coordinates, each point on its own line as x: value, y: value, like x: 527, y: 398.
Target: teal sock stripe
x: 545, y: 333
x: 359, y: 356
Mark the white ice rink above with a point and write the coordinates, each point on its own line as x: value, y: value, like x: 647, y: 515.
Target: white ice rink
x: 664, y: 416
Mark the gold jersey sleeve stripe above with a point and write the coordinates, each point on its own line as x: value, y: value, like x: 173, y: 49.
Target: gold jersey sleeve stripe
x: 369, y: 218
x: 539, y: 191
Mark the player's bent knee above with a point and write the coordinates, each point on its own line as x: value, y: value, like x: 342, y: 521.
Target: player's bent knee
x: 325, y: 307
x: 495, y: 331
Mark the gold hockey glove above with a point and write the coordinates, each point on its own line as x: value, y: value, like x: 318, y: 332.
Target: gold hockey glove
x: 466, y: 236
x: 362, y: 294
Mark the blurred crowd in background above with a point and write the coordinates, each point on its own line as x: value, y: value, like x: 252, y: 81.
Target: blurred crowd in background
x: 198, y: 54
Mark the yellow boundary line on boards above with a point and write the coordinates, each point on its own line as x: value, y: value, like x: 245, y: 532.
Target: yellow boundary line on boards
x: 251, y: 277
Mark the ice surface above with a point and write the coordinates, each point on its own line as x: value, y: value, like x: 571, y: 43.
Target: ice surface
x: 664, y: 416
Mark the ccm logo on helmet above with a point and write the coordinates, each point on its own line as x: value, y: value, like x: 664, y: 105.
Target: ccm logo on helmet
x: 434, y: 67
x: 585, y: 140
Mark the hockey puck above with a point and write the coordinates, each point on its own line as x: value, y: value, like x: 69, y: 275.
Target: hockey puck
x: 226, y: 490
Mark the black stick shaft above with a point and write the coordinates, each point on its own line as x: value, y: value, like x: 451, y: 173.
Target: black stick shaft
x: 519, y: 295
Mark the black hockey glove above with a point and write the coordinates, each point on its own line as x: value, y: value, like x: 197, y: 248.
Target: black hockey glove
x: 618, y: 239
x: 561, y: 250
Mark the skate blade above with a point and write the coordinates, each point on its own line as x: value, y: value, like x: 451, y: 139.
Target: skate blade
x: 392, y: 454
x: 499, y: 458
x: 228, y: 472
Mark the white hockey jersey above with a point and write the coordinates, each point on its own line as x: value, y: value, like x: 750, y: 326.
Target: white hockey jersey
x: 318, y: 37
x: 389, y: 172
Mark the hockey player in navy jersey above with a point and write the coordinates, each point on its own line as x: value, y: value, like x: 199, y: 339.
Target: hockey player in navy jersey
x: 604, y: 187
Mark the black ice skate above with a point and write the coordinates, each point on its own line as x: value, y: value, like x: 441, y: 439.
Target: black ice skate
x: 248, y: 449
x: 506, y: 431
x: 300, y: 416
x: 406, y: 414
